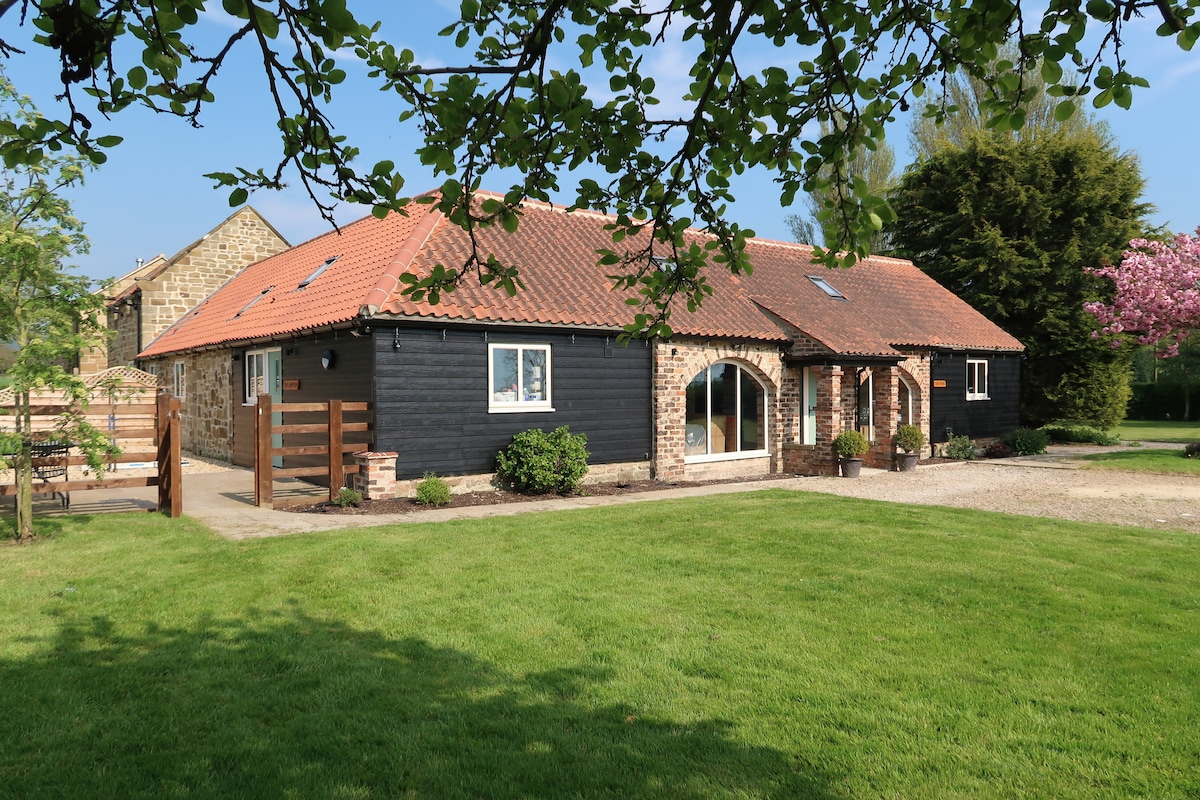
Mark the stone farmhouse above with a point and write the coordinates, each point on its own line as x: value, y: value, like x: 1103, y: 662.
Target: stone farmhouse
x: 145, y: 301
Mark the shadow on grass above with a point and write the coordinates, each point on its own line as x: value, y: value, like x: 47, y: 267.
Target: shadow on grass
x: 291, y: 706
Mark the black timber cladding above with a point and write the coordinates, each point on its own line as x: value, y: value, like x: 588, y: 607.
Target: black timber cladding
x: 431, y: 397
x: 349, y: 379
x: 949, y: 409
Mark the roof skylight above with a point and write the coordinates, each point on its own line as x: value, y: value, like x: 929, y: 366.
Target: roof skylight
x: 317, y: 272
x: 250, y: 305
x: 826, y: 287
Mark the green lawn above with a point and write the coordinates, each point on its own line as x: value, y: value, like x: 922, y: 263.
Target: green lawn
x: 765, y: 645
x: 1135, y: 430
x: 1167, y: 462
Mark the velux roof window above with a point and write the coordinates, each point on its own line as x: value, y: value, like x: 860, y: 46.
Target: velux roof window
x: 250, y: 305
x: 317, y: 272
x: 826, y: 287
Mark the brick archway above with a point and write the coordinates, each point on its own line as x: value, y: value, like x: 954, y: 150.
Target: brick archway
x: 676, y: 363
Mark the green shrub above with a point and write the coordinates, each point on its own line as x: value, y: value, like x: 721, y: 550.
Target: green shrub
x: 1079, y: 432
x: 347, y: 497
x: 850, y: 444
x: 433, y: 491
x: 909, y: 438
x: 960, y: 447
x: 1027, y: 441
x: 537, y: 462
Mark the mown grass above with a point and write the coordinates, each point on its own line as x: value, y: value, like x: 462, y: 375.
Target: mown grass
x: 1166, y: 462
x: 1135, y: 430
x: 766, y: 645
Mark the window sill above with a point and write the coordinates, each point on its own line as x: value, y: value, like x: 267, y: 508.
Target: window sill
x: 726, y: 456
x: 971, y: 398
x: 519, y: 409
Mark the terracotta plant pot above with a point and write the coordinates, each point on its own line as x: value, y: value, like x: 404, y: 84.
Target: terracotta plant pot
x: 851, y: 467
x: 907, y: 462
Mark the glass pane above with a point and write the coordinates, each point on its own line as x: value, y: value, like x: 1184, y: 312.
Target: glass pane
x: 504, y: 376
x: 533, y: 374
x: 696, y: 427
x: 724, y: 408
x: 754, y: 429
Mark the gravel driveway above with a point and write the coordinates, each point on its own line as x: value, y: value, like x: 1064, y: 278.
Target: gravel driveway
x: 1049, y: 486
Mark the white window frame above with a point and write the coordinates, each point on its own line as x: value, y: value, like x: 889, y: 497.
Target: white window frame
x: 497, y: 402
x: 249, y: 398
x: 979, y: 368
x: 766, y: 420
x: 906, y: 406
x: 179, y: 379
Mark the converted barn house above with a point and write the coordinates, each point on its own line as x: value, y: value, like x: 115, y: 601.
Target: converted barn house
x: 758, y: 380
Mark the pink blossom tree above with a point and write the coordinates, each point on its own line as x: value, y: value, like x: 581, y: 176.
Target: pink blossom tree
x: 1157, y: 295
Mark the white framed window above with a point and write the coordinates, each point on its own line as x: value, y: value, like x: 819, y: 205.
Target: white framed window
x: 726, y: 415
x: 977, y: 379
x: 179, y: 379
x: 519, y: 378
x: 260, y: 376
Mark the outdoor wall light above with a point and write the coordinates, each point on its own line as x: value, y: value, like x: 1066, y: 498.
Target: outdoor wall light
x: 328, y: 359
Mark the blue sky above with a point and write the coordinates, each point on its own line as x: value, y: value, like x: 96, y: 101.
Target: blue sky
x: 151, y: 196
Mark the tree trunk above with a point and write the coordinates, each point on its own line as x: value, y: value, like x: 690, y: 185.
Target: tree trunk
x: 23, y: 468
x: 1187, y: 403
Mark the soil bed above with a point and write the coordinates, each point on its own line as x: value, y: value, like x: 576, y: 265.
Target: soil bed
x: 408, y: 505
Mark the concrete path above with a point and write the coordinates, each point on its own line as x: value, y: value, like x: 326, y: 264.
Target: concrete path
x: 224, y: 500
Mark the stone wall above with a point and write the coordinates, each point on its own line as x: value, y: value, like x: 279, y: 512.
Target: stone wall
x: 206, y: 424
x: 676, y: 362
x: 200, y: 270
x: 123, y: 344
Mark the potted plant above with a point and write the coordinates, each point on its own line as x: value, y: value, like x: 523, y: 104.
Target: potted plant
x: 908, y: 440
x: 849, y: 447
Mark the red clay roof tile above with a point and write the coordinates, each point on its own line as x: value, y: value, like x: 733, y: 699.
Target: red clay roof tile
x: 888, y: 303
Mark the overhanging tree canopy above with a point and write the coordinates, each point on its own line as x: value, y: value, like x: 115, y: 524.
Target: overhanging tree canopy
x: 547, y: 85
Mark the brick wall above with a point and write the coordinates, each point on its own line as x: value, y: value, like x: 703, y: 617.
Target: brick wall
x: 837, y: 390
x: 675, y: 364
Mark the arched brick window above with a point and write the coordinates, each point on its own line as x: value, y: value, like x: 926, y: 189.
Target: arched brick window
x: 726, y: 414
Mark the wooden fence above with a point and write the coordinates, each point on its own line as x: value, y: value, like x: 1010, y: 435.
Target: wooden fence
x: 333, y: 448
x: 150, y: 424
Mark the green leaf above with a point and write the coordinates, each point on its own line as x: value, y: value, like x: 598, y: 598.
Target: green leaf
x: 1052, y: 71
x: 238, y: 196
x: 1064, y: 110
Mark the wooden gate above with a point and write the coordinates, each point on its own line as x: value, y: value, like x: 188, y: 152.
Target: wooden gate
x: 332, y: 448
x: 148, y: 424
